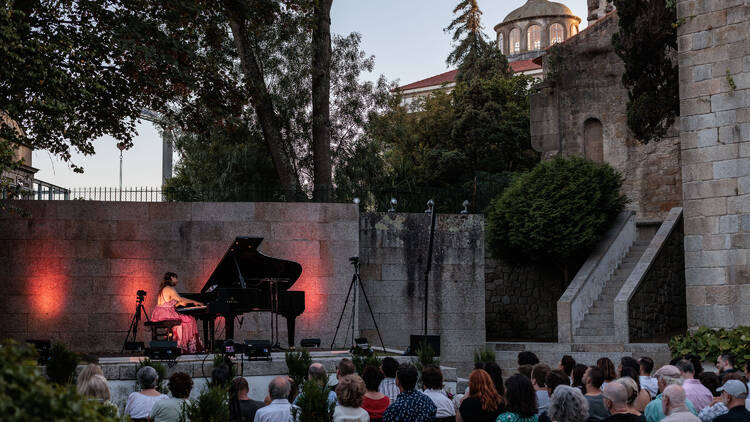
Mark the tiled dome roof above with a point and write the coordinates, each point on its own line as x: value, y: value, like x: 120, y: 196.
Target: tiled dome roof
x: 538, y: 8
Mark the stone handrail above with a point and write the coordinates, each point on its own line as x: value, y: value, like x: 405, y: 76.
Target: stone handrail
x: 588, y: 283
x: 621, y: 305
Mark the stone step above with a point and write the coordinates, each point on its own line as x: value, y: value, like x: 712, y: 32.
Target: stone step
x: 593, y: 339
x: 589, y: 324
x: 598, y: 331
x: 598, y: 317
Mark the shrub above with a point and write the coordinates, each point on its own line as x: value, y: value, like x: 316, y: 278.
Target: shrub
x: 160, y: 370
x: 708, y: 344
x: 62, y: 364
x: 211, y: 406
x: 297, y: 363
x: 363, y: 357
x: 555, y: 213
x: 484, y: 355
x: 313, y: 404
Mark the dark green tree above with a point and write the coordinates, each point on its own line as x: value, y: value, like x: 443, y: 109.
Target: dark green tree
x: 647, y: 44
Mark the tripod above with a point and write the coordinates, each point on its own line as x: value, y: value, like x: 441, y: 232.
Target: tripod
x: 135, y: 321
x: 356, y: 281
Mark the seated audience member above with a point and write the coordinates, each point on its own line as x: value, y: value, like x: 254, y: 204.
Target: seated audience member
x: 350, y: 392
x: 241, y: 407
x: 555, y: 378
x: 170, y: 409
x: 96, y: 388
x: 388, y: 385
x: 577, y: 378
x: 374, y: 401
x: 520, y: 400
x: 699, y: 395
x: 567, y: 363
x: 432, y: 378
x: 593, y: 380
x: 628, y: 362
x: 720, y: 404
x: 525, y: 370
x: 279, y: 410
x: 674, y: 405
x: 482, y: 403
x: 139, y: 403
x: 725, y: 364
x: 733, y: 393
x: 89, y: 371
x: 608, y: 370
x: 666, y: 375
x: 646, y: 381
x: 344, y: 368
x: 527, y: 358
x: 642, y: 397
x: 410, y: 405
x: 317, y: 373
x: 616, y: 398
x: 538, y: 377
x: 711, y: 381
x: 632, y: 391
x: 496, y: 374
x: 567, y: 404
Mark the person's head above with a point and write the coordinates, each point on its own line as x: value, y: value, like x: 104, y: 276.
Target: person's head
x: 390, y: 366
x: 87, y: 373
x: 567, y: 404
x: 525, y: 370
x: 555, y: 378
x: 372, y: 375
x: 96, y: 387
x: 631, y: 387
x: 697, y: 364
x: 672, y: 398
x: 607, y: 368
x: 733, y: 376
x: 629, y: 362
x: 539, y: 375
x: 147, y: 377
x: 350, y: 391
x: 170, y: 279
x: 725, y: 362
x: 221, y: 376
x: 344, y: 368
x: 687, y: 371
x: 567, y: 363
x: 279, y: 388
x: 482, y: 387
x: 711, y: 381
x: 593, y: 378
x: 432, y: 377
x: 733, y: 393
x: 317, y: 372
x: 646, y: 365
x: 578, y: 372
x: 632, y: 373
x: 615, y: 396
x: 668, y: 375
x: 527, y: 358
x: 239, y: 387
x: 496, y: 374
x: 180, y: 385
x: 406, y: 376
x: 520, y: 396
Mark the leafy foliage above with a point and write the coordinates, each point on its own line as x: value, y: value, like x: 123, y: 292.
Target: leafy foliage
x: 647, y: 43
x: 709, y: 343
x: 484, y: 354
x: 62, y: 364
x: 362, y: 358
x: 212, y: 405
x: 25, y: 395
x: 160, y: 370
x: 297, y: 363
x: 312, y: 404
x: 556, y: 212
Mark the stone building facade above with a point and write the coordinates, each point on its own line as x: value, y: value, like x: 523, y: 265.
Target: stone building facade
x: 714, y: 59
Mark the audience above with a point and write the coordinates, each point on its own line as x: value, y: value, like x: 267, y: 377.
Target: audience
x: 577, y: 379
x: 520, y: 401
x: 410, y: 405
x: 734, y: 393
x: 711, y: 381
x: 388, y: 385
x: 96, y: 388
x: 317, y: 373
x: 483, y: 403
x: 525, y: 370
x: 374, y: 401
x: 608, y: 370
x: 674, y: 405
x: 241, y: 408
x: 567, y: 363
x: 139, y: 403
x: 616, y: 399
x: 593, y: 380
x: 725, y: 364
x: 170, y: 409
x: 647, y: 382
x: 350, y: 392
x: 279, y: 410
x: 527, y: 358
x: 666, y: 375
x: 496, y: 373
x: 555, y: 378
x: 432, y: 378
x: 699, y: 395
x: 567, y: 404
x: 633, y: 395
x: 538, y: 377
x: 642, y: 397
x: 86, y: 374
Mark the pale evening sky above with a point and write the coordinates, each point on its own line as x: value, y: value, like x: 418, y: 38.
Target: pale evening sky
x: 405, y: 36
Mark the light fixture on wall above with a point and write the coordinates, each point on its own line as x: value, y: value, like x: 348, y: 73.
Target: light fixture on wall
x: 355, y: 200
x: 394, y: 202
x: 466, y: 207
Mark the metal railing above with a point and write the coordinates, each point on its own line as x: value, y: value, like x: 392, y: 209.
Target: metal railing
x: 40, y: 190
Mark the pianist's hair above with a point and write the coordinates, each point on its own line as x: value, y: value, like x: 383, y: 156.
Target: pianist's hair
x: 167, y: 280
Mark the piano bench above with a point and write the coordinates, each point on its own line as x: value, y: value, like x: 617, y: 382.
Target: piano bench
x: 162, y: 330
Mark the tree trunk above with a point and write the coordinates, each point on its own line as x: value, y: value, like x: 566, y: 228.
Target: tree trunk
x: 321, y: 92
x: 263, y: 105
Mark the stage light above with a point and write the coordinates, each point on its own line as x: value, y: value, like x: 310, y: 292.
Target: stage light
x: 309, y: 343
x: 394, y: 202
x: 163, y: 350
x: 258, y: 349
x: 362, y: 343
x: 430, y: 206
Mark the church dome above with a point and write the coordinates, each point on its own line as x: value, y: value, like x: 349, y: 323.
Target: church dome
x: 538, y: 8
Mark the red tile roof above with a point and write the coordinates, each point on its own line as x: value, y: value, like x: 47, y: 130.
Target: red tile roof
x: 450, y: 76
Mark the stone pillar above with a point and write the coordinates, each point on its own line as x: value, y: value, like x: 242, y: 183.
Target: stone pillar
x: 714, y: 57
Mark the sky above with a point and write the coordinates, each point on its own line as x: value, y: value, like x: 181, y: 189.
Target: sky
x: 405, y: 36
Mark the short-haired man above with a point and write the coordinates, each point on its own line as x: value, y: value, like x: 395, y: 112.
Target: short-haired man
x: 527, y: 358
x: 616, y: 401
x: 725, y: 365
x: 317, y: 373
x: 648, y: 382
x: 555, y: 378
x: 673, y: 403
x: 666, y: 375
x: 170, y: 410
x: 410, y: 405
x: 432, y: 378
x: 593, y: 379
x: 279, y: 410
x: 696, y: 392
x: 567, y: 363
x: 538, y: 378
x: 734, y: 393
x: 388, y: 384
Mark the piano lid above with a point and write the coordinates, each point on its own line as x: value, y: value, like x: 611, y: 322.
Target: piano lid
x: 244, y: 265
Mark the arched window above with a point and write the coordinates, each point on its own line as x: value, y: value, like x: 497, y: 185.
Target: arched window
x: 500, y: 42
x: 593, y: 140
x: 535, y: 37
x: 515, y: 41
x: 573, y: 30
x: 556, y: 34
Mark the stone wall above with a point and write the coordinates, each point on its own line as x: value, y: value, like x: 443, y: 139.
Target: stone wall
x: 587, y: 116
x: 657, y: 309
x: 714, y: 59
x: 71, y: 269
x: 393, y: 250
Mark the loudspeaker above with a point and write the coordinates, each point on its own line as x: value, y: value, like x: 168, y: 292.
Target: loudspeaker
x: 415, y: 342
x: 310, y: 343
x: 163, y: 350
x: 258, y: 349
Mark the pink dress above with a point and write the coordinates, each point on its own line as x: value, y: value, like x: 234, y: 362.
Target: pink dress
x: 186, y: 334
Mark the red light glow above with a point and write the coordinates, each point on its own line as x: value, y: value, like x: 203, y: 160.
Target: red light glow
x: 48, y: 287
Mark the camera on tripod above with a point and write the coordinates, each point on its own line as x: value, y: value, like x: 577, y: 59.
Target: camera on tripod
x: 141, y: 295
x: 354, y: 260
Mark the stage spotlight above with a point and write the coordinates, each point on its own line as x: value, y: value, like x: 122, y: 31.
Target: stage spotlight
x: 163, y: 350
x: 310, y: 343
x: 258, y: 349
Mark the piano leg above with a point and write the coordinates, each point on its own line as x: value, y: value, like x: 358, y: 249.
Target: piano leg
x: 290, y: 320
x: 206, y: 343
x: 212, y: 335
x: 229, y: 327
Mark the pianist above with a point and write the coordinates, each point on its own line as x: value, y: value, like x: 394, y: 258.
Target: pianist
x: 186, y: 334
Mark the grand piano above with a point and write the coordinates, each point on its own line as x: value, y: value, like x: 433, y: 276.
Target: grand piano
x: 245, y: 280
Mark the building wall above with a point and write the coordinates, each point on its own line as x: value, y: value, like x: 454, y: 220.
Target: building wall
x: 714, y: 59
x: 567, y: 110
x: 71, y: 269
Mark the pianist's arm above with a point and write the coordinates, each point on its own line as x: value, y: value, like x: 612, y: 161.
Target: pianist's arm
x: 170, y: 293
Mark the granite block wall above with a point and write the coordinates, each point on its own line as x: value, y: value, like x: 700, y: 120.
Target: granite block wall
x: 71, y: 269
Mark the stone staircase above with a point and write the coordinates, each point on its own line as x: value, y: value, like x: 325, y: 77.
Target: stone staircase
x: 598, y: 326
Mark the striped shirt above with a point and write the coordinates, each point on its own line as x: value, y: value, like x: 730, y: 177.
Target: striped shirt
x: 389, y: 388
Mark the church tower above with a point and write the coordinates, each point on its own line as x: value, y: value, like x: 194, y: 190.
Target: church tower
x: 599, y: 8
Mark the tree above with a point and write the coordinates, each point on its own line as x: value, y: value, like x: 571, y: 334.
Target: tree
x: 555, y: 213
x: 321, y: 93
x: 647, y: 44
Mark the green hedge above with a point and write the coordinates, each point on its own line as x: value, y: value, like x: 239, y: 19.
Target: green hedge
x: 709, y: 343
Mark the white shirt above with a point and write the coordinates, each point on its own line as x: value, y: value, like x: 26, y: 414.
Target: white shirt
x: 542, y: 400
x: 280, y: 410
x: 139, y: 405
x: 389, y: 388
x: 444, y: 405
x: 350, y: 414
x: 650, y: 385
